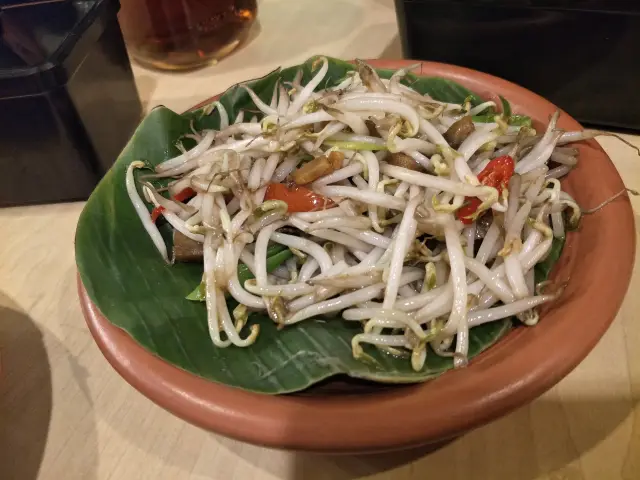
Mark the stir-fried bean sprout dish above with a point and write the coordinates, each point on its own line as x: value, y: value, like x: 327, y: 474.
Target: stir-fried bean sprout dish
x: 417, y: 218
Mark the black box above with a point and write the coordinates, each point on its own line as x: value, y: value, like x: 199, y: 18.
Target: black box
x: 583, y: 55
x: 68, y: 101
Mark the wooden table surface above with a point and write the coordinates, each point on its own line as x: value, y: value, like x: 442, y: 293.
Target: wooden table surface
x: 65, y: 414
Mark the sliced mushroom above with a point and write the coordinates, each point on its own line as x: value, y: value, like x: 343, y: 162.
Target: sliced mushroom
x: 459, y: 131
x: 373, y: 131
x: 336, y: 159
x: 400, y: 159
x: 482, y: 225
x: 185, y: 249
x: 318, y: 167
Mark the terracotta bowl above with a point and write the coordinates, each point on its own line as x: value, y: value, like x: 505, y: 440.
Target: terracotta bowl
x: 596, y: 262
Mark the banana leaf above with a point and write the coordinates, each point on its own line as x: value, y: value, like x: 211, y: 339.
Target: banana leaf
x: 137, y: 291
x: 543, y: 269
x: 516, y: 120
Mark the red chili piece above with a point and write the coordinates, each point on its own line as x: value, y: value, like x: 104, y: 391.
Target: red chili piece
x: 298, y: 198
x: 181, y: 196
x: 496, y: 174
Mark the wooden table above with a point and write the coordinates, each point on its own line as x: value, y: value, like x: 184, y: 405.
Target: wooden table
x: 65, y: 414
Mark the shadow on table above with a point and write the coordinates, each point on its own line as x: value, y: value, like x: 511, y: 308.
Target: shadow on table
x: 26, y: 404
x: 25, y: 396
x: 546, y: 437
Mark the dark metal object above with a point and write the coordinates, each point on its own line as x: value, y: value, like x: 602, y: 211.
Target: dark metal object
x: 583, y: 55
x: 68, y: 101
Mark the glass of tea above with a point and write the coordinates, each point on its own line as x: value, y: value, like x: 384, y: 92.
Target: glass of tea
x: 184, y: 34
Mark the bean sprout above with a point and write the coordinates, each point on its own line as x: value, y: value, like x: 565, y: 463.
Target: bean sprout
x: 374, y: 233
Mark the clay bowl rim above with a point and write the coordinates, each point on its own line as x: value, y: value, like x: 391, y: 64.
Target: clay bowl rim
x: 520, y: 367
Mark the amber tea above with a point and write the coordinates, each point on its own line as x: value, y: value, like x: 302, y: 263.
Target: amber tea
x: 172, y: 34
